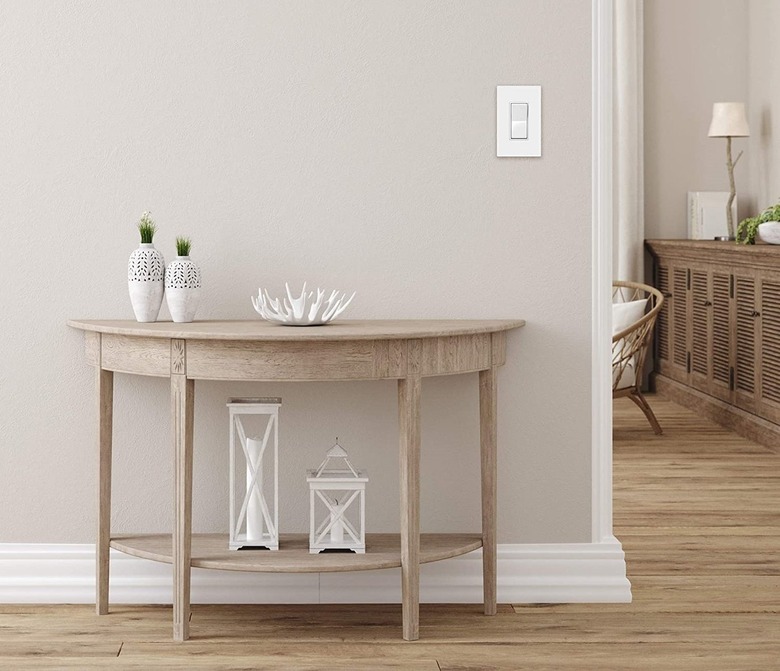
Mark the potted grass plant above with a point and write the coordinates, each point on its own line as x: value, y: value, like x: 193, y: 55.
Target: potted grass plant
x: 146, y: 274
x: 182, y: 283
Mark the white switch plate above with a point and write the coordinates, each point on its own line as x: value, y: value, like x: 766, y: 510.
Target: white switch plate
x: 505, y: 97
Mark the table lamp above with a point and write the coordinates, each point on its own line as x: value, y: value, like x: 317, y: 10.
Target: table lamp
x: 728, y: 120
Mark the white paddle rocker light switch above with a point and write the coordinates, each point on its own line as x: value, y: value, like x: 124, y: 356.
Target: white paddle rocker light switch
x: 519, y: 114
x: 519, y: 121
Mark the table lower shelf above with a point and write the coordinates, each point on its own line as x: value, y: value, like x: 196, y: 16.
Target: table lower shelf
x: 382, y: 551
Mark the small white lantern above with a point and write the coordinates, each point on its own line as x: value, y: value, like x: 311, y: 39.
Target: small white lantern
x: 342, y: 491
x: 254, y: 472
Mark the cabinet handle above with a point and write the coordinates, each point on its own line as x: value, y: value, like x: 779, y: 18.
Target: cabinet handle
x: 667, y: 294
x: 755, y: 313
x: 707, y: 304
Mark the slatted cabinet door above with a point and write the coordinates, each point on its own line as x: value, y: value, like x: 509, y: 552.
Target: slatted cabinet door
x: 663, y: 333
x: 745, y: 335
x: 679, y: 325
x: 722, y: 364
x: 700, y: 311
x: 769, y: 338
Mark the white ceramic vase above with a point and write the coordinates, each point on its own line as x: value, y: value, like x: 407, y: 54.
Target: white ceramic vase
x: 146, y: 281
x: 769, y: 232
x: 182, y: 288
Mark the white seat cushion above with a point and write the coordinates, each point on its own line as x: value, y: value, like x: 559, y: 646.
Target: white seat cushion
x: 623, y: 316
x: 627, y: 379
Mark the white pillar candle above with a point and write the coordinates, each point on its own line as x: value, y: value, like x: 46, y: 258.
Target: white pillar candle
x: 337, y: 528
x: 254, y: 513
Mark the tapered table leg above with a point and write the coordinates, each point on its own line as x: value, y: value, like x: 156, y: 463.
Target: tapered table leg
x: 409, y: 425
x: 182, y: 415
x: 487, y: 440
x: 105, y: 398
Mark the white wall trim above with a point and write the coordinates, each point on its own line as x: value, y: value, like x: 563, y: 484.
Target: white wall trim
x: 601, y: 282
x: 547, y: 573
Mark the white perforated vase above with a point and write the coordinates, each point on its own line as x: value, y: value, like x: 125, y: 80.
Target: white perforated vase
x: 146, y: 281
x: 182, y: 289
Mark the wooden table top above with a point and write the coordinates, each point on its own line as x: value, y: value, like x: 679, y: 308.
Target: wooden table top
x: 256, y: 329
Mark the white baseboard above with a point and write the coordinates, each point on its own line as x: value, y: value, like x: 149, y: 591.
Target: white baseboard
x: 546, y: 573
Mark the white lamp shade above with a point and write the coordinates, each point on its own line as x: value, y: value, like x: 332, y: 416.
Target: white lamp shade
x: 729, y: 120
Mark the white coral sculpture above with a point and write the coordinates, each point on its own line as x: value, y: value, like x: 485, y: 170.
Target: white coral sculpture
x: 308, y: 309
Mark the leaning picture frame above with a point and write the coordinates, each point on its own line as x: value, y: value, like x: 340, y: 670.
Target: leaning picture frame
x: 707, y: 218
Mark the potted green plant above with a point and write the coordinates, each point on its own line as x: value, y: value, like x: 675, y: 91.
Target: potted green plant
x: 146, y: 274
x: 766, y: 226
x: 182, y: 283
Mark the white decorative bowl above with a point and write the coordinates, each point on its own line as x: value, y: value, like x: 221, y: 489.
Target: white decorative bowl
x: 309, y: 309
x: 770, y: 232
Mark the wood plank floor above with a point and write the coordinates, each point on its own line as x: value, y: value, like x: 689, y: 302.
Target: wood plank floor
x: 696, y: 509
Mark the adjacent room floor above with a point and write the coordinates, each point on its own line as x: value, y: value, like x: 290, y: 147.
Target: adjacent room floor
x: 697, y: 510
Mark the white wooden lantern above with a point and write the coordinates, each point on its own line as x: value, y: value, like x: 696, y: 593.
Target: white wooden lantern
x: 254, y: 472
x: 337, y: 497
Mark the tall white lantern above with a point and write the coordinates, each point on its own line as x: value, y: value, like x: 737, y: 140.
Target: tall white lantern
x: 337, y: 497
x: 254, y: 472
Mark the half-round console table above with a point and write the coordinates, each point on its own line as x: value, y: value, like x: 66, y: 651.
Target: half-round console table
x: 405, y: 351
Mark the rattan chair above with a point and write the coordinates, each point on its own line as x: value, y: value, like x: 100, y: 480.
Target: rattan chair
x: 630, y: 346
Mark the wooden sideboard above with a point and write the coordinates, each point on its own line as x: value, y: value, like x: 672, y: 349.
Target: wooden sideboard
x: 403, y: 350
x: 717, y: 342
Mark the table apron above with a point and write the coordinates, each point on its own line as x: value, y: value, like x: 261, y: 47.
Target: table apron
x: 248, y: 360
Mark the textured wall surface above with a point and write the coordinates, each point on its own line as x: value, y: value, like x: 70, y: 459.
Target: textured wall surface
x: 764, y: 102
x: 347, y: 143
x: 696, y: 53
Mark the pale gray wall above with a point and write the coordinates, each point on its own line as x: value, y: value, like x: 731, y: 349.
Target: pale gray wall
x: 696, y: 53
x: 764, y: 102
x: 349, y: 143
